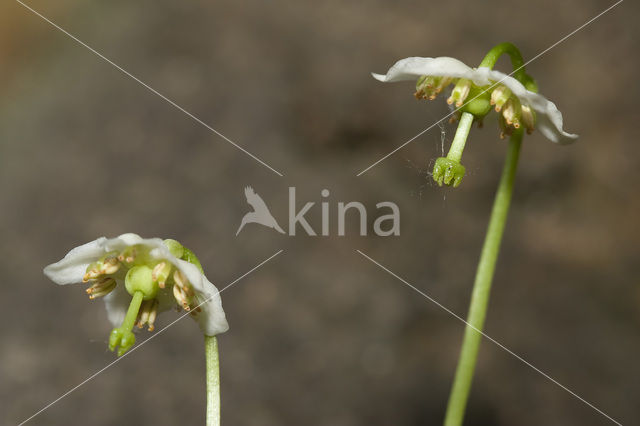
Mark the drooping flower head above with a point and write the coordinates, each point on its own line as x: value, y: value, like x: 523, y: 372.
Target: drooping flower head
x: 475, y: 91
x: 139, y: 278
x: 518, y: 105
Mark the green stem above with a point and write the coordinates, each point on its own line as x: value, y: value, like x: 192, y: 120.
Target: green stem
x: 460, y: 139
x: 213, y: 380
x: 482, y: 286
x: 517, y: 62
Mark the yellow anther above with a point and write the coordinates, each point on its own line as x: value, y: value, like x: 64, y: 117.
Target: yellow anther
x: 460, y: 92
x: 182, y: 282
x: 429, y: 87
x: 101, y: 288
x: 528, y: 118
x: 128, y: 255
x: 152, y: 315
x: 182, y: 298
x: 499, y: 96
x: 105, y: 266
x: 161, y: 272
x: 512, y: 112
x: 147, y: 314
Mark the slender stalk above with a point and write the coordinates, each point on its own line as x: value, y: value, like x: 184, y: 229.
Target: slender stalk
x: 517, y: 62
x: 482, y: 286
x: 460, y: 138
x: 213, y: 380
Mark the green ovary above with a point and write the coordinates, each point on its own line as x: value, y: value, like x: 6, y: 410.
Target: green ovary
x: 479, y: 104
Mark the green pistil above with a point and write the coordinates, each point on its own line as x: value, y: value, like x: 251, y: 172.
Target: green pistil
x: 449, y: 170
x: 123, y: 336
x: 460, y: 139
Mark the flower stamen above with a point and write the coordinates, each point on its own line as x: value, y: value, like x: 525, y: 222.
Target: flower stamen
x: 101, y: 288
x: 460, y: 92
x: 128, y: 255
x: 512, y: 112
x: 528, y: 118
x: 500, y: 96
x: 160, y: 273
x: 106, y: 266
x: 182, y: 282
x: 182, y: 298
x: 148, y: 313
x: 429, y: 86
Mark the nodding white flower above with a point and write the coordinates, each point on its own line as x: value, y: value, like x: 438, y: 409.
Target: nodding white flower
x: 510, y: 97
x: 166, y: 273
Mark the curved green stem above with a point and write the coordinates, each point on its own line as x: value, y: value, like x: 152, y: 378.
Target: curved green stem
x: 213, y: 380
x: 491, y: 58
x: 519, y: 73
x: 482, y: 286
x: 460, y: 139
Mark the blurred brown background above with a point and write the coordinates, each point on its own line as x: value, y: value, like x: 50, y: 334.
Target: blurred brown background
x: 319, y: 336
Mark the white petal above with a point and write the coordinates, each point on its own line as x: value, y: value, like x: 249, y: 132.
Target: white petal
x: 166, y: 301
x: 73, y: 266
x: 155, y: 245
x: 117, y: 303
x: 548, y: 117
x: 412, y: 68
x: 212, y: 319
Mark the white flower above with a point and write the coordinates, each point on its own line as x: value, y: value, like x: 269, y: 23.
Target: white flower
x: 548, y: 118
x: 105, y: 263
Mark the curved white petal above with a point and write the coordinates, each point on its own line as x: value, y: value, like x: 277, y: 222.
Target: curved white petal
x: 548, y: 117
x: 411, y: 68
x: 72, y: 267
x: 117, y: 303
x: 212, y: 319
x: 157, y: 248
